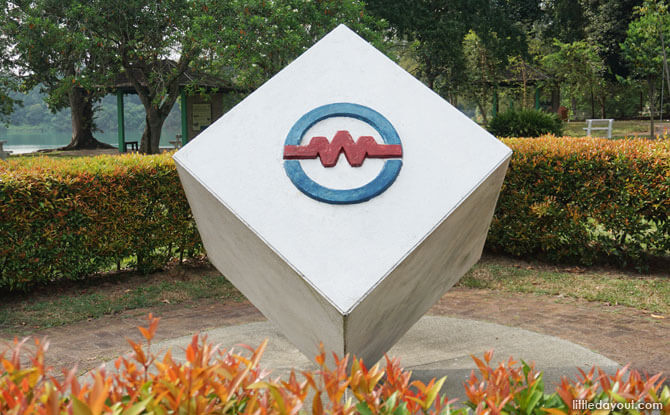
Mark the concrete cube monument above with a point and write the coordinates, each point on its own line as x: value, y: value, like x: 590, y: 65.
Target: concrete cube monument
x: 343, y: 197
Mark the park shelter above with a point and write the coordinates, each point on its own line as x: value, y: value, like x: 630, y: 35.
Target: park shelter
x: 524, y: 76
x: 205, y: 104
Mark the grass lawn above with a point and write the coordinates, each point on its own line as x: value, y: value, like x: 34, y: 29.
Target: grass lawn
x: 188, y: 285
x: 620, y: 129
x: 643, y: 292
x: 112, y: 293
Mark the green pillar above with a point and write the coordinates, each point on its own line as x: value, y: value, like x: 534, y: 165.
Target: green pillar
x: 537, y: 97
x: 494, y: 110
x: 121, y: 124
x: 184, y: 117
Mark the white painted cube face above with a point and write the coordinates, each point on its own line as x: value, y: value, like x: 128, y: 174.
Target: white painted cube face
x: 343, y: 197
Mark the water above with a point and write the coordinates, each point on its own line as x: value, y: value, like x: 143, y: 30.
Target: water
x: 54, y: 131
x: 29, y: 148
x: 21, y: 140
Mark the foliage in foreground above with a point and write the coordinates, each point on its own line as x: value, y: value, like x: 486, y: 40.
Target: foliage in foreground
x: 215, y: 381
x: 575, y: 200
x: 525, y: 123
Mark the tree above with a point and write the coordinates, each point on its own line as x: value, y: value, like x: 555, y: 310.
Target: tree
x: 8, y: 84
x: 270, y: 34
x: 48, y: 47
x: 579, y: 67
x: 8, y: 81
x: 482, y: 72
x: 565, y: 20
x: 606, y: 26
x: 643, y: 47
x: 440, y: 28
x: 154, y: 43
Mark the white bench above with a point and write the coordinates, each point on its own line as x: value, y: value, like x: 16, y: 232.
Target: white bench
x: 4, y: 154
x: 590, y: 127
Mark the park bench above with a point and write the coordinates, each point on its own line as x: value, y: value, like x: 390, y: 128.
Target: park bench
x: 4, y: 154
x: 599, y: 121
x: 134, y: 146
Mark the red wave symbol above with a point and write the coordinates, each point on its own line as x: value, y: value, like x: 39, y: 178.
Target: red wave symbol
x: 355, y: 152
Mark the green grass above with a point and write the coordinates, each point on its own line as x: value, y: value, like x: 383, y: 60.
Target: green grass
x: 620, y: 129
x: 85, y: 301
x: 644, y: 293
x: 118, y: 292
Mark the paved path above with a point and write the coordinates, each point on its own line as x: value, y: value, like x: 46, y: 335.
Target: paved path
x: 435, y: 346
x: 619, y: 333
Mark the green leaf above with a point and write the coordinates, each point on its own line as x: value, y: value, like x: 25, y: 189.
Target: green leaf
x: 138, y: 407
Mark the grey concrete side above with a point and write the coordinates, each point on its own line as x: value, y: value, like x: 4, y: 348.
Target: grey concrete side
x: 265, y: 279
x: 421, y: 278
x: 435, y: 346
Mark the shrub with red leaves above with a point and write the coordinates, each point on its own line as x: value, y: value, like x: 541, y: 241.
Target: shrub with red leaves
x: 213, y: 381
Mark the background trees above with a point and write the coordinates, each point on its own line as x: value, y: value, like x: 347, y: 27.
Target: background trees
x: 579, y: 67
x: 594, y: 56
x: 464, y: 50
x: 644, y: 48
x: 154, y: 44
x: 268, y: 35
x: 46, y: 45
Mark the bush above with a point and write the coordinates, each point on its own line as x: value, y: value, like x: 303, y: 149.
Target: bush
x: 577, y: 200
x: 525, y: 123
x: 216, y: 382
x: 585, y: 200
x: 68, y: 218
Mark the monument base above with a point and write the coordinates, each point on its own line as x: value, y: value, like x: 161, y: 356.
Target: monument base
x: 434, y: 347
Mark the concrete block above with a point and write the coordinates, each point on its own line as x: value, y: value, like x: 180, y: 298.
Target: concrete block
x: 343, y: 197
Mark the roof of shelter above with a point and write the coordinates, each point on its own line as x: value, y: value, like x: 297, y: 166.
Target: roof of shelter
x: 518, y: 72
x: 188, y: 77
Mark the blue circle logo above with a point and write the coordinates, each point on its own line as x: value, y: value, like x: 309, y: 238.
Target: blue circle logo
x: 355, y: 152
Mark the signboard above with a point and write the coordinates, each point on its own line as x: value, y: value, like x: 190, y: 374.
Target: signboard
x: 343, y: 197
x: 202, y: 116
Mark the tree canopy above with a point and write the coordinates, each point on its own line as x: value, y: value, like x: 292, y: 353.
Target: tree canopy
x: 644, y: 46
x: 268, y: 35
x: 582, y: 51
x: 47, y: 45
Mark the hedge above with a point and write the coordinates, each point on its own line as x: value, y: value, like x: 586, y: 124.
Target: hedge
x: 213, y: 381
x: 585, y: 201
x: 576, y: 200
x: 67, y: 218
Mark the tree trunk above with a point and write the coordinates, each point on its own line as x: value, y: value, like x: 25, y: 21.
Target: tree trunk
x: 666, y: 71
x: 81, y: 109
x: 573, y: 104
x: 482, y: 110
x: 593, y: 105
x: 555, y: 98
x: 152, y: 132
x: 650, y: 82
